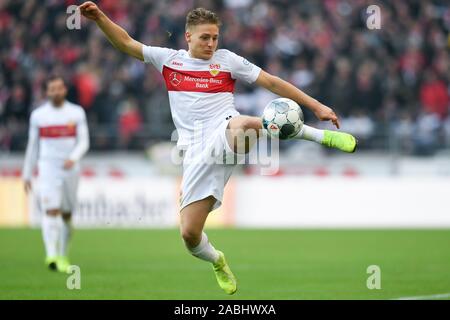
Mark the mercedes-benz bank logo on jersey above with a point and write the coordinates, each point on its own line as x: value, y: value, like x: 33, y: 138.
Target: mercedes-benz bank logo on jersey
x: 175, y: 78
x: 209, y: 80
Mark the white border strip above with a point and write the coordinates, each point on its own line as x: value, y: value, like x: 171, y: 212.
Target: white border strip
x: 430, y: 297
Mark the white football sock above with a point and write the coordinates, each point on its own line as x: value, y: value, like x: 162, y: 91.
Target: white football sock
x: 51, y: 227
x: 204, y: 250
x: 64, y: 237
x: 311, y: 134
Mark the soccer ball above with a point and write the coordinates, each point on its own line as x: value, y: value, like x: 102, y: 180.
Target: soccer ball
x: 282, y: 118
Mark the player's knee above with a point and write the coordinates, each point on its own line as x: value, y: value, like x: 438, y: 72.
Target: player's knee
x: 244, y: 123
x: 190, y: 236
x: 250, y: 123
x: 246, y: 134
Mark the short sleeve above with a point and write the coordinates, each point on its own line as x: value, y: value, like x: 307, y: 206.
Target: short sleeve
x: 242, y: 69
x: 156, y: 55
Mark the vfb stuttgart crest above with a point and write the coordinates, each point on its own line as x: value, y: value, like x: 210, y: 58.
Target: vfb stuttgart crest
x: 214, y: 69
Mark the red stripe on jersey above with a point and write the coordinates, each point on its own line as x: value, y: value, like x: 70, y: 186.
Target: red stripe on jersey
x: 63, y: 131
x: 197, y: 81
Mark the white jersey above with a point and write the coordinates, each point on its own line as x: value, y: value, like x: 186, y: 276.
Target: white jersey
x: 200, y: 91
x: 55, y: 135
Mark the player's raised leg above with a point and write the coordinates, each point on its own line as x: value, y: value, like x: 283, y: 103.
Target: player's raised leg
x: 192, y: 221
x: 243, y: 132
x: 51, y: 229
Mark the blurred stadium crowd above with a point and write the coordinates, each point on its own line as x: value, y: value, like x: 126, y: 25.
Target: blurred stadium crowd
x: 385, y: 84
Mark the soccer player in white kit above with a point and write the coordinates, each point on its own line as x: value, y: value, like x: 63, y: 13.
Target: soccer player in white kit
x: 58, y: 139
x: 200, y: 82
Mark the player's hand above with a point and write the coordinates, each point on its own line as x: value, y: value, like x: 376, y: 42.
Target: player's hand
x: 325, y: 113
x: 90, y: 10
x: 68, y: 164
x: 27, y: 186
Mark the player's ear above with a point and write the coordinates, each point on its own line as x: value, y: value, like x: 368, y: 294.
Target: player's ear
x: 187, y: 36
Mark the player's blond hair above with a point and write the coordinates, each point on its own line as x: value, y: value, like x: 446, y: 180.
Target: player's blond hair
x: 199, y: 16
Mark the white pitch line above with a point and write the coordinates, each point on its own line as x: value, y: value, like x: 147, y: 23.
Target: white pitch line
x: 430, y: 297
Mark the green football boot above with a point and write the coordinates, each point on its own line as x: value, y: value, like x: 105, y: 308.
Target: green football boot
x: 340, y: 140
x: 63, y: 264
x: 224, y: 276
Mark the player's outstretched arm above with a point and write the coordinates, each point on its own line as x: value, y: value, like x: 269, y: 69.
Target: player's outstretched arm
x: 287, y: 90
x: 115, y: 34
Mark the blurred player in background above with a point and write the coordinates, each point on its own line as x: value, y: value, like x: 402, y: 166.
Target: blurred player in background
x: 58, y: 139
x: 200, y: 82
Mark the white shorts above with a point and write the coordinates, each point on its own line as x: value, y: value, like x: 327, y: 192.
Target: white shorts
x: 57, y: 187
x: 207, y: 168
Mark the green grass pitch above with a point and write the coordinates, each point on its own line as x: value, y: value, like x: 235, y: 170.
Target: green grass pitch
x: 269, y: 264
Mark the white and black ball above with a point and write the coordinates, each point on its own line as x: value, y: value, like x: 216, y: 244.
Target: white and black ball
x: 282, y: 118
